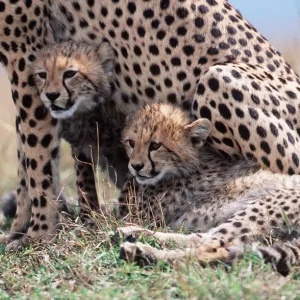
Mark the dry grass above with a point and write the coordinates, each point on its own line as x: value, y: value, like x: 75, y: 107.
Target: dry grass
x: 86, y: 264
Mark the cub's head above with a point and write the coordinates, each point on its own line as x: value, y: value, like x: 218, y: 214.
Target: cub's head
x: 73, y: 77
x: 162, y: 142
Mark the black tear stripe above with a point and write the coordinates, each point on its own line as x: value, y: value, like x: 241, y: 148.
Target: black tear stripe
x: 153, y: 172
x: 69, y: 93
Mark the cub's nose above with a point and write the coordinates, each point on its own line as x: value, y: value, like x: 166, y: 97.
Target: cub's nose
x: 137, y: 167
x: 52, y: 96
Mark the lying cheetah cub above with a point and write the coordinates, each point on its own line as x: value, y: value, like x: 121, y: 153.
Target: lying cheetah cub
x: 183, y: 184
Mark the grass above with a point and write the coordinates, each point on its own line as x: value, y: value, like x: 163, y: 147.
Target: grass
x: 86, y: 264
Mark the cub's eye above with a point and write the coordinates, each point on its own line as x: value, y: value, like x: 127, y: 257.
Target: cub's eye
x: 69, y: 74
x: 131, y: 143
x: 154, y: 146
x: 42, y: 75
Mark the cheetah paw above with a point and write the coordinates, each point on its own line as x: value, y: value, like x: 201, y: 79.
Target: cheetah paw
x: 17, y: 245
x: 141, y: 254
x: 132, y: 233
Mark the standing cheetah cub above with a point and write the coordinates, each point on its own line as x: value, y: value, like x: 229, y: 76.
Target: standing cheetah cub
x: 75, y: 83
x: 183, y: 184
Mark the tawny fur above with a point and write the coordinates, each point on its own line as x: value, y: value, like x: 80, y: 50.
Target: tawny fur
x: 224, y: 202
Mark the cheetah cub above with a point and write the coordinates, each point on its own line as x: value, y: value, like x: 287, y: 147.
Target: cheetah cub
x: 183, y: 184
x: 73, y: 78
x: 75, y: 83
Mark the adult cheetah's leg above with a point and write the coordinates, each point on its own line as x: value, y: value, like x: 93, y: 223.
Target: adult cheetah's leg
x: 254, y: 114
x: 23, y: 214
x: 40, y: 145
x: 37, y: 130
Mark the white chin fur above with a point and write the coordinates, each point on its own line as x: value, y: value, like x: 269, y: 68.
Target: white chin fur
x: 150, y: 181
x: 64, y: 114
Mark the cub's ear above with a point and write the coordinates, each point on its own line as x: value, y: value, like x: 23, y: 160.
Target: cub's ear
x: 107, y: 57
x: 198, y: 131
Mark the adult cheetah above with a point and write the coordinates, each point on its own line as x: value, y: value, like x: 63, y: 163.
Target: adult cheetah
x: 201, y: 54
x: 184, y: 185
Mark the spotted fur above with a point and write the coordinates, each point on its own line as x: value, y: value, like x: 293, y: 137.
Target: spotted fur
x: 223, y: 202
x: 181, y: 52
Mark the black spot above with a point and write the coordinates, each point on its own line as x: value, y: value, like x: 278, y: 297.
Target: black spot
x: 23, y: 114
x: 244, y: 132
x: 172, y: 98
x: 239, y: 113
x: 35, y: 202
x: 125, y: 35
x: 54, y: 153
x: 181, y: 75
x: 291, y: 94
x: 199, y: 22
x: 22, y: 64
x: 124, y: 52
x: 47, y: 169
x: 213, y: 84
x: 188, y: 50
x: 228, y: 142
x: 141, y: 31
x: 161, y: 34
x: 281, y: 150
x: 261, y: 132
x: 202, y: 60
x: 46, y: 140
x: 164, y: 4
x: 291, y: 139
x: 36, y: 227
x: 274, y: 130
x: 265, y: 147
x: 150, y: 92
x: 253, y: 113
x: 215, y: 32
x: 137, y: 50
x: 32, y: 183
x: 27, y: 101
x: 32, y: 140
x: 44, y: 227
x: 221, y: 127
x: 176, y: 61
x: 2, y: 6
x: 279, y: 164
x: 266, y: 161
x: 291, y: 109
x: 168, y: 82
x: 173, y: 42
x: 182, y: 12
x: 169, y: 19
x: 237, y: 95
x: 181, y: 30
x: 205, y: 112
x: 83, y: 23
x: 154, y: 69
x: 33, y: 164
x: 40, y: 112
x: 45, y: 184
x: 137, y: 69
x: 148, y: 13
x: 224, y: 111
x: 295, y: 159
x: 237, y: 224
x: 154, y: 49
